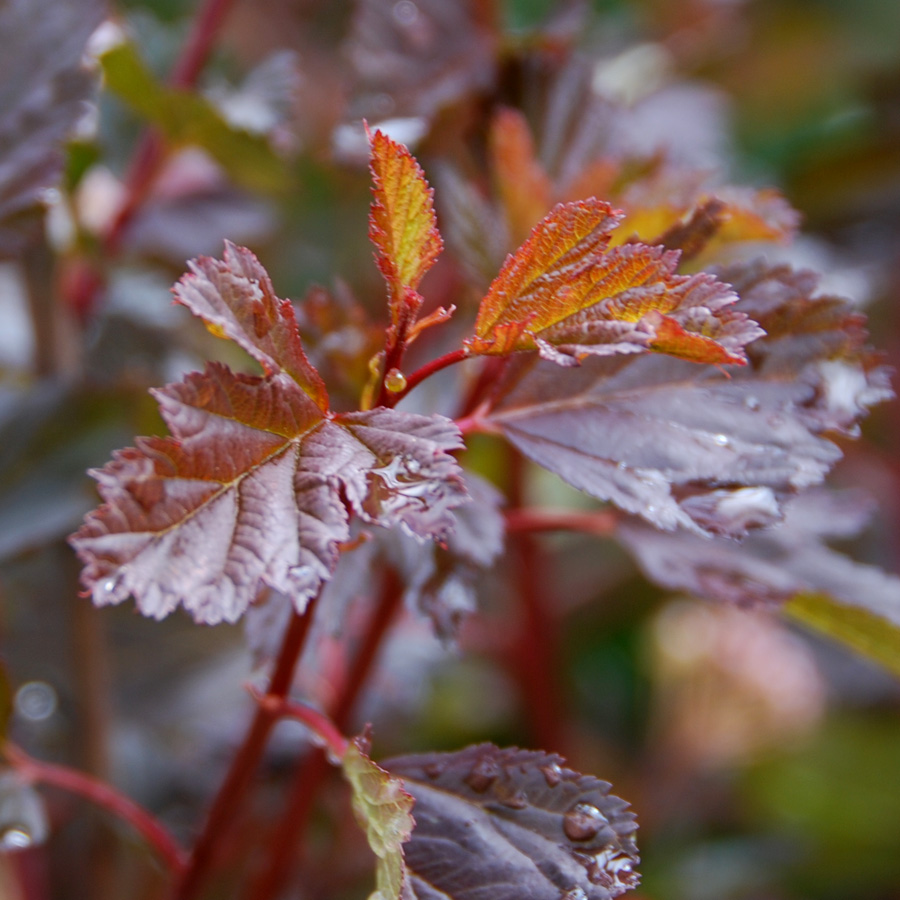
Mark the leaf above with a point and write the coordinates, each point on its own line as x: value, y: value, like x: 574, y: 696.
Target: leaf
x: 402, y: 224
x: 524, y: 188
x: 44, y: 89
x: 568, y: 296
x: 234, y: 296
x: 517, y: 821
x: 422, y: 58
x: 186, y: 117
x: 681, y: 445
x: 787, y: 564
x: 383, y: 809
x: 249, y: 491
x: 253, y: 487
x: 861, y: 630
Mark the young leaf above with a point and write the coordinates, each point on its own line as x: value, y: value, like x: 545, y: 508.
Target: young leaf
x: 568, y: 296
x: 402, y: 224
x: 518, y: 821
x: 44, y: 87
x: 789, y: 563
x: 524, y: 188
x: 383, y: 809
x: 234, y: 296
x: 680, y: 445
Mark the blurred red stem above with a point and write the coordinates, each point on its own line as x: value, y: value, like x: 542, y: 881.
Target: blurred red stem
x: 312, y: 770
x: 239, y: 776
x: 526, y: 519
x: 101, y: 794
x: 536, y: 651
x: 317, y: 721
x: 150, y: 153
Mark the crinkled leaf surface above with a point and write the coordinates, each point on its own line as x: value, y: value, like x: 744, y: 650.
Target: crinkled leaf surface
x: 516, y: 823
x: 383, y: 809
x: 681, y: 445
x: 234, y: 296
x: 790, y: 563
x: 186, y: 117
x: 43, y: 92
x: 253, y: 485
x: 567, y: 295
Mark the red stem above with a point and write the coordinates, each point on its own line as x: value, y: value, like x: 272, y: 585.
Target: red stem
x: 426, y: 371
x: 317, y: 721
x: 313, y: 769
x: 525, y: 519
x: 150, y: 153
x: 233, y: 789
x: 536, y: 653
x: 103, y: 795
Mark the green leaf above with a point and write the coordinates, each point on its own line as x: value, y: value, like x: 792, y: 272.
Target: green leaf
x: 383, y: 809
x: 863, y: 631
x: 186, y: 117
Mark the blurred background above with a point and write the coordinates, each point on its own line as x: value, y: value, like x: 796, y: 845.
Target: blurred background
x: 763, y: 762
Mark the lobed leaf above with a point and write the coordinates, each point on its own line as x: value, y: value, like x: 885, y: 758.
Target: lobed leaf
x: 517, y: 821
x: 791, y: 564
x: 44, y: 89
x: 685, y: 446
x: 186, y: 117
x: 255, y: 484
x: 234, y: 296
x: 402, y: 223
x: 383, y: 809
x: 567, y: 295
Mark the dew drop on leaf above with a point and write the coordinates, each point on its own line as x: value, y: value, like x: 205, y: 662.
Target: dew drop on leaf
x: 582, y: 822
x: 484, y: 773
x: 721, y: 440
x: 552, y: 774
x: 576, y: 893
x: 434, y: 770
x: 405, y: 12
x: 613, y: 870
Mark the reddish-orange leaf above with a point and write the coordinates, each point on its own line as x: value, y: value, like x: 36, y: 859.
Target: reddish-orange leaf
x: 524, y: 186
x: 402, y: 223
x: 566, y: 294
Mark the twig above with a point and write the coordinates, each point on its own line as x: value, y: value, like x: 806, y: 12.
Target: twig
x: 239, y: 776
x: 526, y: 519
x: 312, y: 770
x: 426, y: 371
x: 103, y: 795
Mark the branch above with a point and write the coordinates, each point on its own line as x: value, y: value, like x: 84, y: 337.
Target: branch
x: 318, y: 722
x: 525, y: 519
x: 312, y: 770
x: 233, y: 789
x: 426, y: 371
x: 103, y: 795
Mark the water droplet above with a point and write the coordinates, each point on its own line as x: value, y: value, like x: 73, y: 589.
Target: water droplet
x: 575, y: 893
x: 511, y: 799
x: 582, y: 822
x: 613, y: 869
x: 15, y: 838
x: 484, y: 773
x: 721, y: 440
x: 405, y: 12
x: 413, y: 466
x: 552, y: 774
x: 434, y: 770
x: 751, y: 402
x: 395, y: 381
x: 35, y: 701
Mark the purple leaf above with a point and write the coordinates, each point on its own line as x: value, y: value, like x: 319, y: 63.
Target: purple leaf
x: 249, y: 491
x: 44, y: 88
x: 234, y: 296
x: 516, y: 823
x: 681, y: 444
x: 774, y: 565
